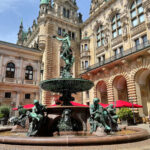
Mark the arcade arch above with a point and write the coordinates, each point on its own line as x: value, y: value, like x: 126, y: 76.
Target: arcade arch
x: 142, y: 84
x: 120, y: 88
x: 101, y: 92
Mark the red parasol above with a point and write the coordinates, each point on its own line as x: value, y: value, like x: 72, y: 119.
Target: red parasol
x: 28, y: 106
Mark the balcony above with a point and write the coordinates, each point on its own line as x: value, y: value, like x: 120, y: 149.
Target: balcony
x: 85, y: 53
x: 128, y: 52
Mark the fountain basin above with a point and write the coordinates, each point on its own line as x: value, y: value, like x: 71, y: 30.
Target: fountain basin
x: 140, y: 134
x: 73, y: 85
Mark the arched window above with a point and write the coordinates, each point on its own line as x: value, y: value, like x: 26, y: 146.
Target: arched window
x: 137, y: 13
x: 10, y: 70
x: 100, y: 36
x: 116, y: 26
x: 29, y: 73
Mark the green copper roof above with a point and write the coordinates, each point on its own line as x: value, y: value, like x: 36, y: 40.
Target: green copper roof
x: 44, y: 2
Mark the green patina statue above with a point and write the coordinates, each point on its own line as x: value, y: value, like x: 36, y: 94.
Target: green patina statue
x: 97, y: 117
x: 112, y: 117
x: 65, y: 123
x: 66, y: 55
x: 37, y: 118
x: 21, y: 119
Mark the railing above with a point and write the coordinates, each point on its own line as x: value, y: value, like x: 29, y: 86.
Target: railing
x: 133, y: 50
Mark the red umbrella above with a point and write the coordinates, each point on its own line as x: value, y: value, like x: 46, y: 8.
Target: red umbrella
x: 104, y: 105
x: 121, y: 103
x: 28, y: 106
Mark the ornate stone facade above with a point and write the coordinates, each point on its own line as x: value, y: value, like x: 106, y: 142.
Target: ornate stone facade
x: 19, y: 74
x: 119, y: 67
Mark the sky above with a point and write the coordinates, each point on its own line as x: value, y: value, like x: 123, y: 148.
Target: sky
x: 13, y: 11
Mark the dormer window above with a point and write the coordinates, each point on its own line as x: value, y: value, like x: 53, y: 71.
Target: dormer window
x: 66, y: 13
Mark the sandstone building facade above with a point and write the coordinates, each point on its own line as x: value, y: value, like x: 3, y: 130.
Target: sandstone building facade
x: 115, y: 51
x: 19, y: 74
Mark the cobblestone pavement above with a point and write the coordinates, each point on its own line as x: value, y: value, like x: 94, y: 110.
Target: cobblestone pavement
x: 141, y: 145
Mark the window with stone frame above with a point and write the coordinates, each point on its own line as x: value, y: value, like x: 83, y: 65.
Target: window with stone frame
x: 86, y: 64
x: 137, y: 13
x: 27, y: 96
x: 8, y: 95
x: 116, y: 26
x: 118, y: 52
x: 64, y: 12
x: 59, y: 31
x: 10, y: 70
x: 100, y: 36
x: 29, y: 73
x: 101, y: 59
x: 144, y: 39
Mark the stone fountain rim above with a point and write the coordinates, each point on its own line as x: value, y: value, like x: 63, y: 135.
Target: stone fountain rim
x: 141, y: 134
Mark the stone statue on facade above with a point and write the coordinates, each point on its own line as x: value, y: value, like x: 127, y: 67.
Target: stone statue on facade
x: 66, y: 55
x: 37, y: 118
x: 97, y: 117
x: 21, y: 119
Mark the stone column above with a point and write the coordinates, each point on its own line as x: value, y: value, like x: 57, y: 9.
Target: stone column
x: 110, y: 94
x: 20, y: 72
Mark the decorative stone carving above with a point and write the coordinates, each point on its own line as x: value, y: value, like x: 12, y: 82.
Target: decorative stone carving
x: 124, y: 21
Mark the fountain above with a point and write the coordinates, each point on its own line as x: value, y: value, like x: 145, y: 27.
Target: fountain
x: 67, y: 124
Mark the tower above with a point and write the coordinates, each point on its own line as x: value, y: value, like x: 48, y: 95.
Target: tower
x: 55, y: 18
x: 22, y: 35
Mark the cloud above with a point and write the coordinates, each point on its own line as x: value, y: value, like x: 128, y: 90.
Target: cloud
x: 6, y: 5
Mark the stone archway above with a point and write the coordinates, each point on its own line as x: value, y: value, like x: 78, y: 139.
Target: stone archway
x: 120, y: 88
x: 101, y: 92
x: 142, y: 84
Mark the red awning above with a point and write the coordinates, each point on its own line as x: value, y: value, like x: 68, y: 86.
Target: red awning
x: 121, y: 103
x: 104, y: 105
x: 28, y: 106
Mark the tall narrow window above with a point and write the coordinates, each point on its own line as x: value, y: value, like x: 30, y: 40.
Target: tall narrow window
x: 144, y: 39
x: 116, y: 26
x: 59, y: 31
x: 64, y: 12
x: 86, y: 64
x: 100, y: 36
x: 29, y: 73
x: 68, y: 14
x: 86, y: 47
x: 137, y: 13
x: 10, y: 70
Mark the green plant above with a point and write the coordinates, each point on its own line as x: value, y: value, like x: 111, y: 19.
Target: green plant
x: 5, y: 110
x: 1, y: 115
x: 125, y: 114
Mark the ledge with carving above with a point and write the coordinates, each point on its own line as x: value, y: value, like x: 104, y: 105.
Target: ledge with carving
x: 116, y: 41
x: 100, y: 50
x: 138, y: 29
x: 85, y: 53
